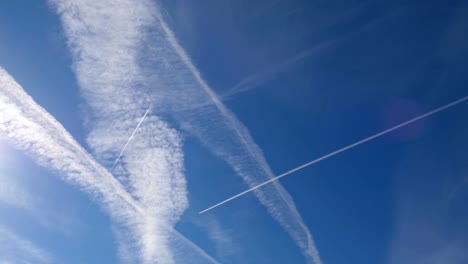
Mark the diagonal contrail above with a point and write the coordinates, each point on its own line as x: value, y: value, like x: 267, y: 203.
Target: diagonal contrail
x: 130, y: 139
x: 340, y: 150
x: 121, y: 152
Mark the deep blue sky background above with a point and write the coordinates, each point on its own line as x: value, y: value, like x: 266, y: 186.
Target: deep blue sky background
x: 398, y: 199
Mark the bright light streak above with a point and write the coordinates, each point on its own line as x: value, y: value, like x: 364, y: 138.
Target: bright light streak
x: 415, y: 119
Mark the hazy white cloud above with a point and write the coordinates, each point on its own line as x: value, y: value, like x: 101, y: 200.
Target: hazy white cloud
x: 13, y: 195
x: 271, y: 73
x: 31, y: 129
x: 221, y: 237
x: 184, y: 91
x: 275, y: 71
x: 16, y: 249
x: 104, y: 37
x: 126, y: 60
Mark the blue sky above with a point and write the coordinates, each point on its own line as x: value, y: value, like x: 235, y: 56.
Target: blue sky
x: 229, y: 94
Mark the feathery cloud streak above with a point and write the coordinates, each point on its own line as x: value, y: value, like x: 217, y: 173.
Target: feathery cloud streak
x: 130, y: 139
x: 13, y: 194
x: 269, y: 74
x: 127, y: 58
x: 104, y: 37
x: 16, y: 249
x: 222, y: 238
x: 258, y: 79
x: 184, y: 91
x: 31, y: 129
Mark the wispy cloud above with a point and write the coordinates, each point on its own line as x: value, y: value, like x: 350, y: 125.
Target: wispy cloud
x: 104, y: 37
x: 126, y: 59
x: 130, y: 139
x: 192, y: 253
x: 269, y: 74
x: 275, y: 71
x: 218, y: 129
x: 15, y: 195
x: 16, y: 249
x: 221, y: 237
x: 32, y: 129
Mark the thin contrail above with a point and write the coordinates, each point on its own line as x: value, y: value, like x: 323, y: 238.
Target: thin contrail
x: 130, y: 138
x: 339, y: 151
x: 121, y: 152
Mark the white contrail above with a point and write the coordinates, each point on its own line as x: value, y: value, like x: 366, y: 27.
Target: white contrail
x: 181, y: 241
x: 32, y: 129
x: 267, y: 75
x: 123, y: 150
x: 221, y: 132
x: 106, y: 38
x: 339, y: 151
x: 130, y: 138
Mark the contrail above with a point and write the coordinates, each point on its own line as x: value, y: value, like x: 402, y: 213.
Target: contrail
x: 30, y: 128
x: 340, y: 150
x: 122, y: 151
x: 130, y: 138
x: 231, y: 141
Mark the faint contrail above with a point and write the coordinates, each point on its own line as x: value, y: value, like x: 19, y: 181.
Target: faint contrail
x: 340, y: 150
x: 130, y: 138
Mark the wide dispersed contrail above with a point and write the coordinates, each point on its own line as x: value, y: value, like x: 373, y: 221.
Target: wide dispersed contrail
x: 340, y: 150
x: 224, y: 135
x: 130, y: 138
x: 30, y: 128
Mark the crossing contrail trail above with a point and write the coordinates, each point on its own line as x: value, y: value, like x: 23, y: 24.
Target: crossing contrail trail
x: 122, y: 151
x: 130, y: 139
x: 339, y: 151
